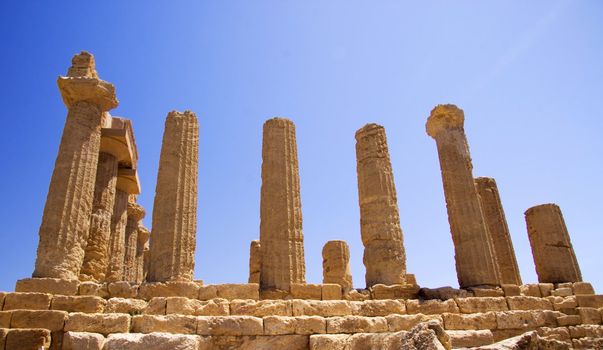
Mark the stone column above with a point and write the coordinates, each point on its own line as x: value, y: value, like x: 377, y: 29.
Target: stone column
x: 281, y: 237
x: 499, y: 230
x: 474, y: 255
x: 141, y: 252
x: 336, y: 264
x: 96, y: 253
x: 135, y: 214
x: 66, y: 219
x: 384, y: 256
x: 175, y: 209
x: 115, y: 268
x: 255, y: 261
x: 551, y: 245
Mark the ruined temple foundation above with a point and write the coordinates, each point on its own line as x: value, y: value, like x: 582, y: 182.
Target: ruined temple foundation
x: 552, y: 249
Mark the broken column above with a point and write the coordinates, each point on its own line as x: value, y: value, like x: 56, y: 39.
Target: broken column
x: 135, y: 214
x: 552, y: 249
x: 474, y: 255
x: 336, y: 264
x: 172, y: 254
x: 66, y: 219
x: 498, y: 229
x: 142, y: 251
x: 255, y: 261
x: 384, y: 256
x: 281, y: 237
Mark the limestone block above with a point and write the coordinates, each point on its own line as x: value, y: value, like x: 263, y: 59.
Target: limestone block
x: 185, y: 306
x: 528, y: 303
x: 587, y: 343
x: 5, y: 317
x: 396, y: 323
x: 562, y: 292
x: 327, y: 308
x: 51, y: 320
x: 525, y: 319
x: 88, y: 304
x: 48, y: 285
x: 289, y: 342
x: 95, y: 289
x: 563, y: 303
x: 83, y: 341
x: 279, y: 325
x: 557, y: 333
x: 98, y: 323
x: 3, y: 333
x: 586, y: 331
x: 117, y: 239
x: 595, y: 301
x: 511, y: 290
x: 255, y: 261
x: 27, y: 339
x: 443, y: 293
x: 239, y: 291
x: 378, y: 307
x: 307, y: 325
x: 356, y: 324
x: 394, y: 291
x: 358, y: 295
x: 306, y: 291
x: 589, y: 315
x: 563, y: 285
x: 531, y: 290
x: 329, y: 341
x: 569, y: 320
x: 331, y: 291
x: 336, y: 264
x: 156, y: 306
x: 427, y: 335
x: 208, y: 292
x: 27, y: 301
x: 476, y: 305
x: 152, y: 341
x: 2, y: 295
x: 582, y: 288
x: 229, y: 325
x: 470, y: 338
x: 164, y: 323
x: 261, y: 308
x: 486, y: 320
x: 122, y: 289
x: 486, y: 292
x: 125, y: 306
x: 430, y: 307
x: 546, y: 289
x: 168, y: 289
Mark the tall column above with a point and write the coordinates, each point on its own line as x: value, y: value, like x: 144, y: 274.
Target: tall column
x: 175, y: 209
x: 66, y: 219
x: 474, y: 255
x: 96, y: 253
x: 384, y: 255
x: 552, y: 249
x: 115, y: 268
x: 336, y: 264
x: 135, y: 215
x: 255, y: 261
x: 281, y: 237
x: 141, y: 252
x: 498, y: 229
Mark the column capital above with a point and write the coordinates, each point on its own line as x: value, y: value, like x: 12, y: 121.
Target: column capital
x: 444, y: 117
x: 143, y: 235
x: 368, y: 129
x: 279, y: 122
x: 546, y: 206
x: 136, y: 211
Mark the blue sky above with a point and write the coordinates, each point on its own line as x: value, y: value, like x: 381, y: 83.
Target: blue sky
x: 527, y: 74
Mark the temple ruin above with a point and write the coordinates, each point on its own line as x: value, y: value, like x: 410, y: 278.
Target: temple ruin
x: 103, y: 281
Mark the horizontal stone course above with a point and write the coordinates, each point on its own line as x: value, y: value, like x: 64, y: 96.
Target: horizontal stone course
x: 27, y: 301
x: 232, y: 325
x: 178, y: 324
x: 54, y: 286
x: 98, y: 323
x: 87, y: 304
x: 47, y: 319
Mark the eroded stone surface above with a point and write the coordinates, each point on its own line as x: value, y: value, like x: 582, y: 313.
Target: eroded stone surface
x: 255, y: 261
x: 336, y: 264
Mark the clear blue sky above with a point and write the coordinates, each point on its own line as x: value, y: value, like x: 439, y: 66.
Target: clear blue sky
x: 527, y: 74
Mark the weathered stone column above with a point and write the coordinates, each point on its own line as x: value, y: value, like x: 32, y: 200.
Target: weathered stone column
x: 175, y: 209
x: 115, y: 268
x: 141, y: 253
x: 384, y: 256
x: 552, y: 249
x: 336, y: 264
x: 255, y: 261
x: 281, y: 237
x: 96, y: 252
x: 66, y: 220
x: 135, y: 215
x: 474, y: 255
x: 498, y: 229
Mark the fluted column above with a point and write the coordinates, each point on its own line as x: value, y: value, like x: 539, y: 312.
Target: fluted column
x: 498, y: 229
x: 384, y: 255
x: 552, y: 248
x: 474, y: 255
x: 175, y: 209
x: 115, y: 268
x: 336, y: 264
x: 281, y: 237
x: 141, y: 252
x: 135, y: 214
x: 66, y: 219
x: 255, y: 261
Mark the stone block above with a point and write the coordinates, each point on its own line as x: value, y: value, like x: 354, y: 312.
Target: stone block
x: 126, y: 306
x: 308, y: 325
x: 357, y: 295
x: 156, y: 306
x: 88, y: 304
x: 98, y: 323
x: 122, y: 289
x: 563, y: 303
x: 306, y: 291
x: 528, y: 303
x: 331, y: 291
x: 5, y: 317
x: 27, y: 301
x: 207, y: 292
x: 27, y: 339
x: 239, y: 291
x: 94, y: 289
x: 516, y: 320
x: 185, y: 306
x: 470, y: 338
x: 83, y: 341
x: 546, y: 289
x: 595, y: 301
x: 486, y: 292
x: 3, y: 333
x: 230, y: 325
x: 289, y: 342
x: 586, y: 331
x: 477, y: 305
x: 378, y: 307
x: 431, y: 307
x: 511, y: 290
x: 569, y: 320
x: 178, y: 324
x: 443, y: 293
x: 327, y: 308
x: 587, y: 343
x: 276, y: 294
x: 147, y: 291
x: 153, y: 341
x: 396, y: 323
x: 54, y: 286
x: 329, y: 342
x: 279, y: 325
x: 51, y: 320
x: 394, y: 291
x: 563, y: 292
x: 356, y: 324
x: 589, y: 315
x: 583, y: 288
x: 261, y: 308
x: 486, y: 320
x: 530, y: 290
x: 557, y: 333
